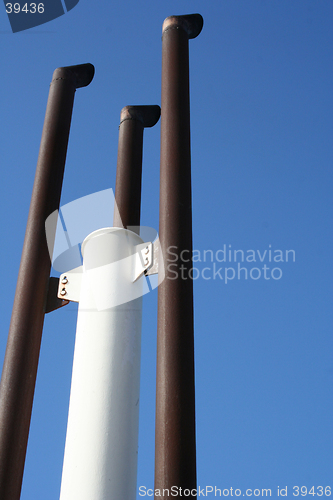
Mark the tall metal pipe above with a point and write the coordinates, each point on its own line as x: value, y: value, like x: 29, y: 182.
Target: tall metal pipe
x: 100, y: 460
x: 24, y: 338
x: 133, y: 119
x: 103, y: 422
x: 175, y: 445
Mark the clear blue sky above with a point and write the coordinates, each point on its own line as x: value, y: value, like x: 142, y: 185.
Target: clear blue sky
x: 261, y: 120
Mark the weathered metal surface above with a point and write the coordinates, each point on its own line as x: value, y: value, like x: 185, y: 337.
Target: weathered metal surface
x: 24, y: 338
x: 175, y: 446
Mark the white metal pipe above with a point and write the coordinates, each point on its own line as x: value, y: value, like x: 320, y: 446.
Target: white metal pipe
x: 100, y: 461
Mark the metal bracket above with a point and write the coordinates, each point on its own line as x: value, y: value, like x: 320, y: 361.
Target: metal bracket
x: 156, y: 259
x: 52, y: 301
x: 70, y: 284
x: 146, y: 259
x: 143, y: 259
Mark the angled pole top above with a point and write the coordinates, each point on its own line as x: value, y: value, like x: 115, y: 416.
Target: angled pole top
x: 191, y: 23
x: 147, y: 115
x: 80, y: 74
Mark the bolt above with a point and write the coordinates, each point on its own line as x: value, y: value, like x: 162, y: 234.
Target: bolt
x: 147, y: 250
x: 64, y: 280
x: 63, y: 292
x: 146, y: 261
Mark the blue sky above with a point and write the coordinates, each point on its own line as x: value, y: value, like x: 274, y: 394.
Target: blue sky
x: 261, y: 124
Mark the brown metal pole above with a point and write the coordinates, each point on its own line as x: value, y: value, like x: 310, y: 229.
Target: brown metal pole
x: 133, y: 119
x: 175, y: 446
x: 24, y: 338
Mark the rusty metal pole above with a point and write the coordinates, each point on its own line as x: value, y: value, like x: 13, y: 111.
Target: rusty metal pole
x: 133, y: 119
x: 175, y: 445
x: 24, y: 338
